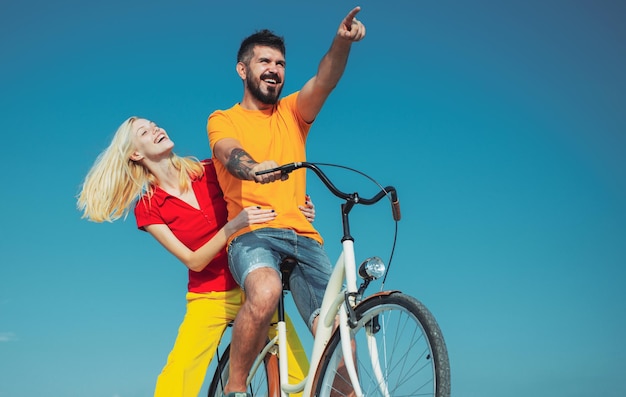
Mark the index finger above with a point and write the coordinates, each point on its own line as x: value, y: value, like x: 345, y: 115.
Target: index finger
x: 347, y: 21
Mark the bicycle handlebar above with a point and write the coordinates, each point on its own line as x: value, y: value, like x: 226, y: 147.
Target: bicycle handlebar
x: 353, y: 198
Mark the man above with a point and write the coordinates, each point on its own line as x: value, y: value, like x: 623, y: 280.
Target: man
x: 259, y: 133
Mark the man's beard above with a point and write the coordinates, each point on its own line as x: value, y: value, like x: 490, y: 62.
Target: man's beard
x: 269, y: 98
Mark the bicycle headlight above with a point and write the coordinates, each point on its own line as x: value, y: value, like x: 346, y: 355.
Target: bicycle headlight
x: 372, y: 268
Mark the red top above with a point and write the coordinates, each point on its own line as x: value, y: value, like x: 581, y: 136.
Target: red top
x: 193, y: 227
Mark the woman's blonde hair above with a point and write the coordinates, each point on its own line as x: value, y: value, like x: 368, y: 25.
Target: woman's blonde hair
x: 115, y: 181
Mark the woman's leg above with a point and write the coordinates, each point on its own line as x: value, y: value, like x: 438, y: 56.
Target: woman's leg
x: 206, y: 318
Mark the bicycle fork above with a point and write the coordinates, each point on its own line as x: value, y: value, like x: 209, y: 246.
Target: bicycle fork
x: 347, y: 321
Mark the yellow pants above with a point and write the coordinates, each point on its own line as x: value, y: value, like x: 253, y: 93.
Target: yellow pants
x: 207, y: 316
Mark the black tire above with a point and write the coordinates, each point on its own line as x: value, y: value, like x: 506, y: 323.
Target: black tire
x: 266, y: 381
x: 411, y: 349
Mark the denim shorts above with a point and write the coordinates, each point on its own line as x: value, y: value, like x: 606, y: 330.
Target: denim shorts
x: 267, y: 247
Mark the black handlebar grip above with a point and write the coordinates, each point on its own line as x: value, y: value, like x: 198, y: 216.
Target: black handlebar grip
x: 284, y: 169
x: 395, y: 210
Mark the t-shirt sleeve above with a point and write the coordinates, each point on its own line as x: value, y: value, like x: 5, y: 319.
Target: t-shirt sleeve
x: 290, y: 102
x: 219, y: 126
x: 147, y: 214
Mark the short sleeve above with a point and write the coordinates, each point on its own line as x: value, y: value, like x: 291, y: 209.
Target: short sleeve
x: 147, y: 214
x: 219, y: 126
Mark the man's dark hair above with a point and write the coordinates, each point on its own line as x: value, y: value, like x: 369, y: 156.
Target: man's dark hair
x: 265, y: 38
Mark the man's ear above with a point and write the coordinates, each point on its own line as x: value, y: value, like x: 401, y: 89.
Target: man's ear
x: 136, y: 156
x: 241, y: 70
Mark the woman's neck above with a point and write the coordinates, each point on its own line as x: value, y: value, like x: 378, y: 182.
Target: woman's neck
x: 168, y: 179
x: 166, y: 175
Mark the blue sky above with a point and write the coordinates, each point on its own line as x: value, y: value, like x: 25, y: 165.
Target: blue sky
x: 501, y: 124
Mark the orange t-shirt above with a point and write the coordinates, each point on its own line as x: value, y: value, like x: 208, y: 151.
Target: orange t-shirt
x: 277, y: 134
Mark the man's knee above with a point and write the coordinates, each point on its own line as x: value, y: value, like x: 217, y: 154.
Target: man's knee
x: 263, y: 288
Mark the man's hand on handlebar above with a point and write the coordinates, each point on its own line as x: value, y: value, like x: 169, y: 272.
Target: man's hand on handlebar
x: 267, y: 177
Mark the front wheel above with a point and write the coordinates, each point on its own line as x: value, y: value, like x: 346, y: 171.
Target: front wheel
x: 265, y: 380
x: 398, y: 349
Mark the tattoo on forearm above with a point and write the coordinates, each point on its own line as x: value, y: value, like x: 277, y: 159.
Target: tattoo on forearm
x: 240, y: 163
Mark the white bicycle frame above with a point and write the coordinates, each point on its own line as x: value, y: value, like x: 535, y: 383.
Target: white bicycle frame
x: 332, y: 304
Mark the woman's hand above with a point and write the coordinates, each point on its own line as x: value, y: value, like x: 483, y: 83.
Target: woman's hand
x: 252, y: 215
x: 249, y: 216
x: 308, y: 209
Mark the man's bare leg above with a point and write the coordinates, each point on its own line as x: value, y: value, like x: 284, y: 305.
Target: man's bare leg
x: 263, y: 288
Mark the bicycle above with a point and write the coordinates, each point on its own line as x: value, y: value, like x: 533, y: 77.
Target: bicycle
x: 385, y: 344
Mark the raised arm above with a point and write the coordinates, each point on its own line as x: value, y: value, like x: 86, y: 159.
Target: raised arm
x: 315, y: 92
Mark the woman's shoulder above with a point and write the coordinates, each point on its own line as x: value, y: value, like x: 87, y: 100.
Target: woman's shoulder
x: 208, y: 164
x: 209, y: 168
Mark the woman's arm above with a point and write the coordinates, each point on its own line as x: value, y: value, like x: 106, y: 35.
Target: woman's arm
x: 197, y: 260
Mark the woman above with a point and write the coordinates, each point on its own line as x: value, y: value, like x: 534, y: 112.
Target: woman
x: 179, y: 202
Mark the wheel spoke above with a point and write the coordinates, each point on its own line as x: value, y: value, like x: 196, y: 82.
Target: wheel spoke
x: 411, y: 362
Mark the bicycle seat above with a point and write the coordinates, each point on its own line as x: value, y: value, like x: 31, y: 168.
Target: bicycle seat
x: 286, y: 267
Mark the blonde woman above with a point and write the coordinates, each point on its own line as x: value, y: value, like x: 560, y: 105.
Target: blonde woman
x: 179, y: 202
